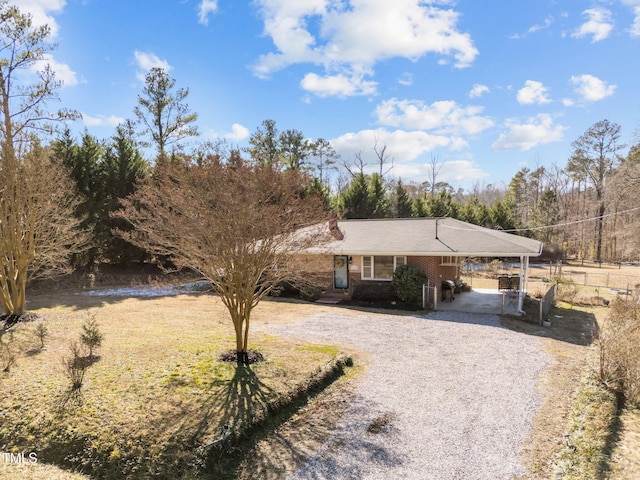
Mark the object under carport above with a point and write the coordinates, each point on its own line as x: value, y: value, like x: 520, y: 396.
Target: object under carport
x: 448, y: 286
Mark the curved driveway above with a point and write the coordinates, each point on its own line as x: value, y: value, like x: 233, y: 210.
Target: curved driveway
x: 456, y: 389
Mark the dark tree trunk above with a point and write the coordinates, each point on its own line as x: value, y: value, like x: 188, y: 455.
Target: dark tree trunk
x: 242, y: 358
x: 601, y: 211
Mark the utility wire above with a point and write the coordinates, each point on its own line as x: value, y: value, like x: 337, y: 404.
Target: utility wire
x: 575, y: 222
x: 584, y: 220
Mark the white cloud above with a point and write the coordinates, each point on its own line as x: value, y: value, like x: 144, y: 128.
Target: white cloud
x: 599, y: 25
x: 634, y: 30
x: 376, y: 29
x: 101, y: 120
x: 547, y: 23
x: 39, y: 11
x: 406, y: 79
x: 146, y: 61
x: 532, y: 92
x: 538, y: 130
x: 353, y: 36
x: 591, y: 88
x: 454, y: 172
x: 238, y: 133
x: 337, y: 85
x: 205, y: 8
x: 444, y: 117
x: 478, y: 90
x: 405, y: 146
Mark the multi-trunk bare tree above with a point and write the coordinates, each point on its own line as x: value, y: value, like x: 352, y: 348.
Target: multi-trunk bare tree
x: 236, y: 223
x: 37, y: 225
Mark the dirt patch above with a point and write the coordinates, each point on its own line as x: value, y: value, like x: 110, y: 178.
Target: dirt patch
x: 250, y: 357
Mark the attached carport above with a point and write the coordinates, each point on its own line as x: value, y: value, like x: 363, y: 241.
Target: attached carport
x: 463, y: 240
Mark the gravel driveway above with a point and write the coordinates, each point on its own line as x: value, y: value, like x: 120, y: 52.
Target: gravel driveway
x: 453, y: 393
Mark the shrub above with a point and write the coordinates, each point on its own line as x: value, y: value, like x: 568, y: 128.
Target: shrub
x: 619, y: 356
x: 7, y: 356
x: 567, y: 289
x: 407, y: 283
x: 75, y: 366
x: 42, y: 332
x: 374, y: 292
x: 91, y: 337
x: 492, y: 268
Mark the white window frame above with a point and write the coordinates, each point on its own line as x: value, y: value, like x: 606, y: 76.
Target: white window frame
x: 373, y: 267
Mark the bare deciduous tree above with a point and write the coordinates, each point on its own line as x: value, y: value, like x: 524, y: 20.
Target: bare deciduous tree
x: 37, y: 226
x: 38, y: 229
x: 594, y: 159
x: 236, y: 223
x: 383, y: 158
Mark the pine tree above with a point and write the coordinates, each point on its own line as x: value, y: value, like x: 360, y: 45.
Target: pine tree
x: 378, y: 197
x: 402, y: 204
x: 121, y: 170
x: 356, y: 201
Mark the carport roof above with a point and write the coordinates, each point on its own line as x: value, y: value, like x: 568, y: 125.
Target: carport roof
x: 428, y: 237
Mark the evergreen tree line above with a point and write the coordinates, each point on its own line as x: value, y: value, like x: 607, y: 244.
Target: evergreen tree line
x: 367, y: 196
x: 560, y: 206
x: 104, y: 172
x: 584, y: 209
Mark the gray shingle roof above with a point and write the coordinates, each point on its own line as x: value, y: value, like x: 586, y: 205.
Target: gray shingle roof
x: 427, y: 236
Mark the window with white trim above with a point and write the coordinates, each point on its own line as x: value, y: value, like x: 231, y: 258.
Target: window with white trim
x: 380, y: 267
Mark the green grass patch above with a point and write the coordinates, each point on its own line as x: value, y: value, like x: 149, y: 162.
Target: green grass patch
x: 157, y: 393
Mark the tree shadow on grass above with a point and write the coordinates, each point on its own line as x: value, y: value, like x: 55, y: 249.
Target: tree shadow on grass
x: 247, y: 411
x: 234, y: 411
x: 201, y: 432
x: 237, y: 404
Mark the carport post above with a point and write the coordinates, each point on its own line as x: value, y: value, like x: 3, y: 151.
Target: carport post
x: 524, y: 275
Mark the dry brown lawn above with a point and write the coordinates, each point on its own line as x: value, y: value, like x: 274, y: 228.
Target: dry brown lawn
x: 159, y: 354
x: 157, y: 391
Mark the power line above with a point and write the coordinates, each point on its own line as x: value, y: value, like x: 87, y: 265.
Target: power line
x: 575, y: 222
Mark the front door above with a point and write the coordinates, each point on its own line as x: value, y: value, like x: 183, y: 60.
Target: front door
x: 340, y: 271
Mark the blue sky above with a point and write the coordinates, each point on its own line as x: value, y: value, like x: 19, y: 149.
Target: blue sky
x: 484, y: 87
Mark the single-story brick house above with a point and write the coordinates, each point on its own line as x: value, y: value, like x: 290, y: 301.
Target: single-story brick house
x: 370, y: 250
